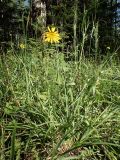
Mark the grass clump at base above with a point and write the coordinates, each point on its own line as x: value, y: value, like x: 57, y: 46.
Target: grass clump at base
x: 52, y: 109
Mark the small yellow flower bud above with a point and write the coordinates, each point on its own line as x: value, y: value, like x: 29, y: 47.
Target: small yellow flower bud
x: 22, y: 46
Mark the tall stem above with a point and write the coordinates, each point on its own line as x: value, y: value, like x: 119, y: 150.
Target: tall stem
x: 75, y: 27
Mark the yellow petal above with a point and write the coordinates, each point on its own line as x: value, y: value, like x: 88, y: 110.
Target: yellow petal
x: 47, y: 40
x: 53, y: 29
x: 51, y: 40
x: 49, y: 29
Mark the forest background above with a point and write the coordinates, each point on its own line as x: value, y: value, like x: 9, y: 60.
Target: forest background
x: 77, y: 19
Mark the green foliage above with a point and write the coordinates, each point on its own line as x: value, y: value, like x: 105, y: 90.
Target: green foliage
x: 52, y: 109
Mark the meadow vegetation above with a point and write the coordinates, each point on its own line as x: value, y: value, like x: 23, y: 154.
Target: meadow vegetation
x: 56, y: 109
x: 59, y: 88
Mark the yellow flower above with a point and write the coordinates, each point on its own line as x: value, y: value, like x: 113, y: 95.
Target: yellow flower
x: 22, y: 46
x: 51, y: 36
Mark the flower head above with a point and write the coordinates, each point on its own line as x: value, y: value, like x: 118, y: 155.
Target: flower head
x: 22, y: 46
x: 51, y: 36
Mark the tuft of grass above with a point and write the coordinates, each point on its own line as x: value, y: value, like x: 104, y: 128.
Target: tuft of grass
x: 52, y: 109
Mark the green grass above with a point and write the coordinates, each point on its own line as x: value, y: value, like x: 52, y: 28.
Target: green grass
x: 51, y: 109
